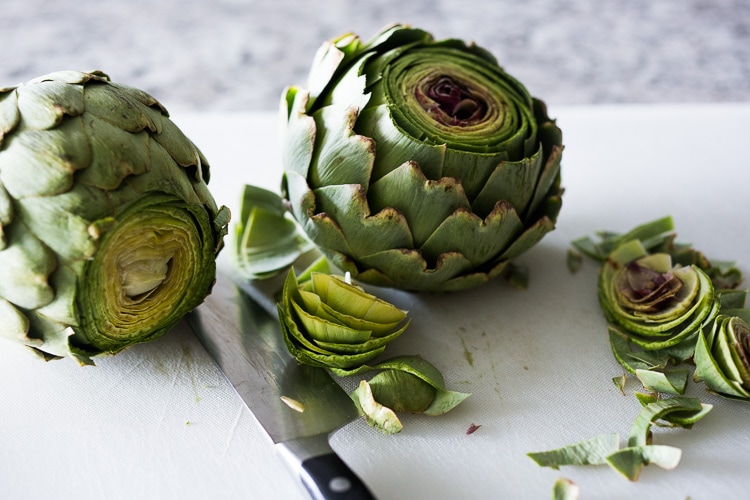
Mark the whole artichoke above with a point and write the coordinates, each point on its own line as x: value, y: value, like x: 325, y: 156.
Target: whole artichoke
x: 109, y: 232
x: 418, y: 164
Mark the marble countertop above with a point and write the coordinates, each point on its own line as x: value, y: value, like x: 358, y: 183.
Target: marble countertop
x: 235, y: 55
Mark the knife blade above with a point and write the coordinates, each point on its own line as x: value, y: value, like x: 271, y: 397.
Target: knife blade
x: 297, y: 405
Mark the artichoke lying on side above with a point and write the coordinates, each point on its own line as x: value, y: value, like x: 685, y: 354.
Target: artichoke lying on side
x: 418, y: 164
x: 109, y: 234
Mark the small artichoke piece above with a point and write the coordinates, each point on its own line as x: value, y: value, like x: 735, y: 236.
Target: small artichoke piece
x: 403, y: 384
x: 334, y: 324
x: 722, y: 355
x: 267, y: 242
x: 418, y: 164
x: 109, y: 234
x: 654, y: 304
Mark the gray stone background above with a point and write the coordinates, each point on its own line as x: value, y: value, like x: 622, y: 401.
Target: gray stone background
x: 222, y: 55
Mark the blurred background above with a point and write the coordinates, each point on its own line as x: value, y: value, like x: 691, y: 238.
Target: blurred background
x: 238, y: 55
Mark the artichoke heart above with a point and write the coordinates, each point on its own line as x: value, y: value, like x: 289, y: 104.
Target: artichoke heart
x: 108, y: 233
x: 418, y: 164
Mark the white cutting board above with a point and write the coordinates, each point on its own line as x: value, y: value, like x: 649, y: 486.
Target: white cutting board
x: 159, y: 420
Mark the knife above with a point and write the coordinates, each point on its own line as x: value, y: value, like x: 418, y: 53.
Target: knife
x: 297, y: 405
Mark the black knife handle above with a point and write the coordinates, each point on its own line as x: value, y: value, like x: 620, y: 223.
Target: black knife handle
x: 327, y: 477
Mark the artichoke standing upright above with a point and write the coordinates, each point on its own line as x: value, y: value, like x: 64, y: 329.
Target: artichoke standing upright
x: 418, y: 164
x: 109, y: 234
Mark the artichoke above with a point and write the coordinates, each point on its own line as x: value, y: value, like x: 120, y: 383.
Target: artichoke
x: 332, y: 323
x: 655, y: 304
x: 722, y: 355
x: 418, y: 164
x: 108, y: 233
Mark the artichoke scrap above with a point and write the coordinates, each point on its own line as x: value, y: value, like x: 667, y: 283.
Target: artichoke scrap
x: 418, y: 164
x: 722, y: 355
x: 331, y: 323
x: 658, y: 297
x: 108, y: 233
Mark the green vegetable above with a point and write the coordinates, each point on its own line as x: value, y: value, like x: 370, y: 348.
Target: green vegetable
x: 565, y: 489
x: 331, y: 323
x: 722, y: 355
x: 416, y: 163
x: 266, y: 241
x: 629, y: 461
x: 593, y: 451
x: 108, y: 233
x: 403, y: 384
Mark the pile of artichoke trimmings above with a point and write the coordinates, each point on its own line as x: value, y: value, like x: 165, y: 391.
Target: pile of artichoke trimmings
x: 418, y: 164
x: 108, y: 233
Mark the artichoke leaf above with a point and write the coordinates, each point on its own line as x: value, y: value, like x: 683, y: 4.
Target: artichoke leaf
x: 592, y: 451
x: 630, y: 461
x: 477, y: 239
x: 429, y: 202
x: 43, y: 104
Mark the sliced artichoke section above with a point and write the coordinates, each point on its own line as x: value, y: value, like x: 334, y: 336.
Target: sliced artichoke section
x: 332, y: 323
x: 722, y: 355
x: 416, y: 163
x: 109, y: 232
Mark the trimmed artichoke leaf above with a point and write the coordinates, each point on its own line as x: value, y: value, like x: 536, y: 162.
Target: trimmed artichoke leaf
x: 479, y: 240
x: 298, y: 136
x: 630, y: 461
x: 430, y: 203
x: 565, y: 489
x: 343, y: 156
x: 688, y: 411
x: 266, y: 242
x: 351, y: 300
x: 376, y: 414
x: 344, y: 209
x: 530, y: 237
x: 512, y: 181
x: 574, y: 260
x: 408, y: 270
x: 669, y: 381
x: 592, y: 451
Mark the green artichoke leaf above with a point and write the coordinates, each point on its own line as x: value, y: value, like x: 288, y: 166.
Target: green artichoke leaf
x: 688, y: 411
x: 394, y: 136
x: 630, y: 461
x: 267, y: 242
x: 592, y: 451
x: 565, y: 489
x: 430, y: 204
x: 403, y: 384
x: 668, y: 381
x: 110, y: 232
x: 477, y: 239
x: 722, y: 355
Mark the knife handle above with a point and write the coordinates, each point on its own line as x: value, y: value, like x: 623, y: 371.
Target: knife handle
x: 323, y: 474
x: 328, y: 477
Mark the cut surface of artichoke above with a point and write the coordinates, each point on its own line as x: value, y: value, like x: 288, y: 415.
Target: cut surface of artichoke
x: 108, y: 233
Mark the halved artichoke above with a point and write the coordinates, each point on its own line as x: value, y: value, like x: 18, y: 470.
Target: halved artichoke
x: 109, y: 234
x: 418, y: 164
